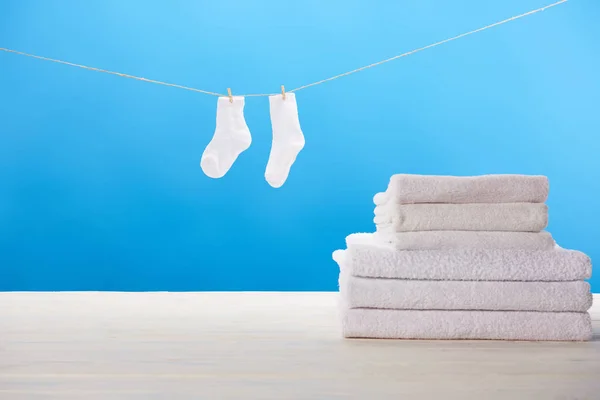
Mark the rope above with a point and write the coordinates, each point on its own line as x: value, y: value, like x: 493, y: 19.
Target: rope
x: 298, y: 88
x: 109, y: 72
x: 429, y: 46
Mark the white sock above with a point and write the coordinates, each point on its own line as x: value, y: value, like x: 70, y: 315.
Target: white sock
x: 288, y: 139
x: 230, y: 139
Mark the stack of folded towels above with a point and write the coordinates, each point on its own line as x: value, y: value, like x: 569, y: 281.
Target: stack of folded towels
x: 463, y: 258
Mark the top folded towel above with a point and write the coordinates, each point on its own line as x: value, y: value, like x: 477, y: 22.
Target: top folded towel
x: 410, y: 189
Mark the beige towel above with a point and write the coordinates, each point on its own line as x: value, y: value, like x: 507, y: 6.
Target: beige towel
x: 407, y: 189
x: 447, y: 240
x: 495, y: 325
x: 513, y: 217
x: 412, y: 294
x: 368, y: 258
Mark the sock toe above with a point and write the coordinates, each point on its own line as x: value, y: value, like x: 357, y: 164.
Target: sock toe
x: 210, y: 166
x: 275, y: 179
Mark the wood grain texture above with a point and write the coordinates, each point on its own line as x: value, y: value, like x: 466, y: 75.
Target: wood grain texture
x: 258, y: 346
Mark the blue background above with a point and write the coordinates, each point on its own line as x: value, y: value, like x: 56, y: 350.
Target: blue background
x: 100, y: 184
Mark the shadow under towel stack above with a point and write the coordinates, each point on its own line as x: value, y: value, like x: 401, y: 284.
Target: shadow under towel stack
x: 463, y: 258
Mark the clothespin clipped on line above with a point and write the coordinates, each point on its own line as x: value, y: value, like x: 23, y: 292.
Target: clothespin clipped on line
x: 282, y: 92
x: 229, y: 94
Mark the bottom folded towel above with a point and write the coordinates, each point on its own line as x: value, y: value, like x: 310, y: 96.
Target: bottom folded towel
x: 491, y: 325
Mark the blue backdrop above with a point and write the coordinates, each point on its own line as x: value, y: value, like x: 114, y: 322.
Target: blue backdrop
x: 100, y: 184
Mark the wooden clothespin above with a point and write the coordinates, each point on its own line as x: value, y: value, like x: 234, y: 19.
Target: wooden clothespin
x: 229, y: 94
x: 282, y: 92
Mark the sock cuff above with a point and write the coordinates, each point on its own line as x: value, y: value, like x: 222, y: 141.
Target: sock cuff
x: 237, y: 101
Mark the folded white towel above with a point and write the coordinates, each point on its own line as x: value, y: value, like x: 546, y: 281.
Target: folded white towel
x: 448, y: 240
x: 408, y: 189
x: 495, y: 325
x: 367, y: 258
x: 402, y: 294
x: 513, y: 217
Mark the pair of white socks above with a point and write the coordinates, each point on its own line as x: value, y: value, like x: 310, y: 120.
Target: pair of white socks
x: 232, y: 137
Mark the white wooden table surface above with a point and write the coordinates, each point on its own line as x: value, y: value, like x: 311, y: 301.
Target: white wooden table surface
x: 259, y: 346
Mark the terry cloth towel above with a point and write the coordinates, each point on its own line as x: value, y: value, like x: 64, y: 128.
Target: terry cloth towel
x: 368, y: 259
x: 407, y: 189
x: 513, y: 217
x: 447, y: 240
x: 402, y: 294
x: 495, y: 325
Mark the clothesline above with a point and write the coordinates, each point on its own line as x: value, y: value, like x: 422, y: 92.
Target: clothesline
x: 298, y: 88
